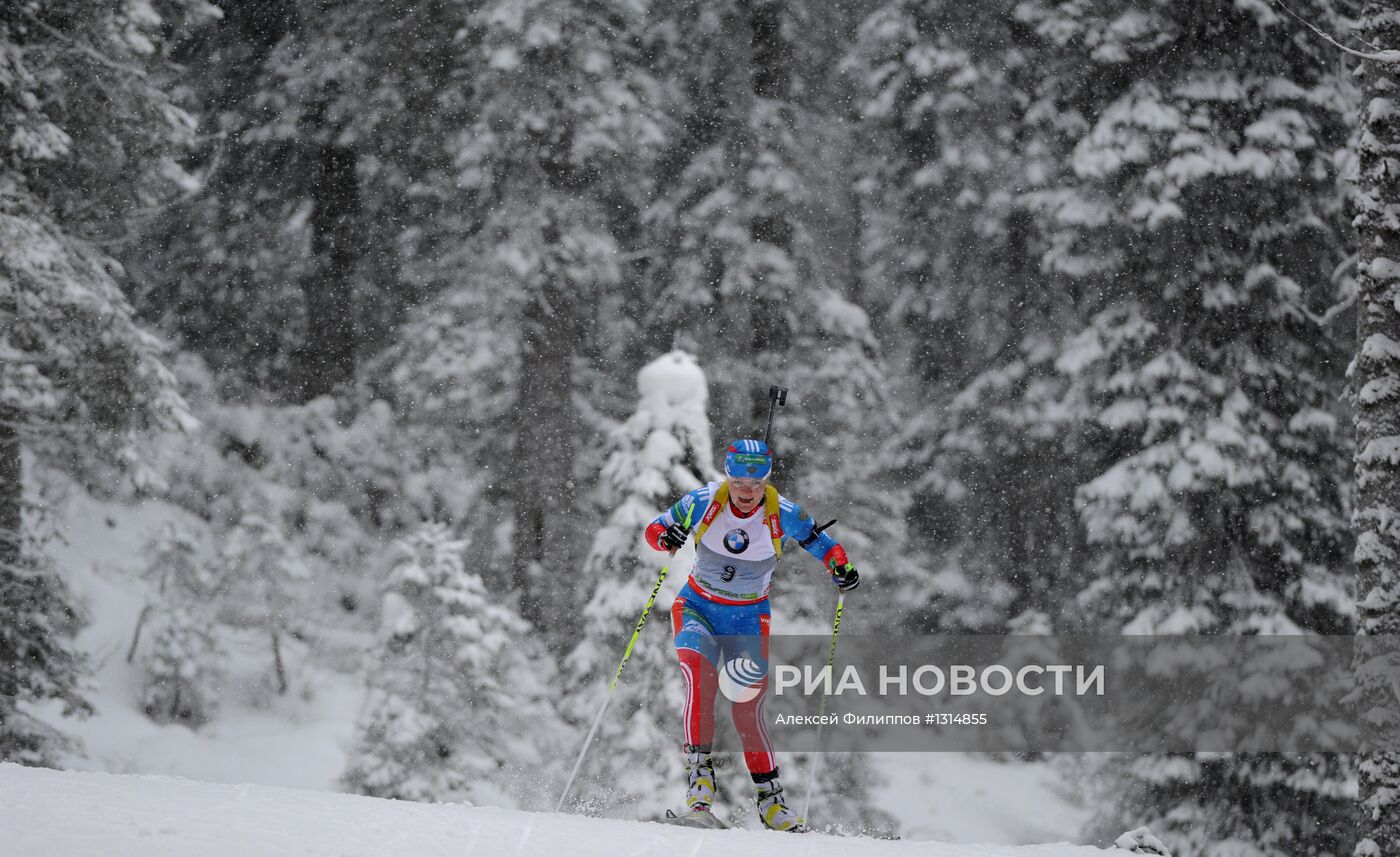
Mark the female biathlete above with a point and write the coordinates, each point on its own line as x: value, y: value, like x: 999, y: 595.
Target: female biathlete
x: 720, y: 618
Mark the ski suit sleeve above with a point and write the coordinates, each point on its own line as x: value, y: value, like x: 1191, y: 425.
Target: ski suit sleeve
x: 687, y: 509
x: 798, y: 525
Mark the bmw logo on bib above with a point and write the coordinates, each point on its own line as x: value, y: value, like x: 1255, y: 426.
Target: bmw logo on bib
x: 736, y: 541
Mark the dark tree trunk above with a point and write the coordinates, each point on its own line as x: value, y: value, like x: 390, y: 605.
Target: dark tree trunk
x: 136, y: 634
x: 328, y: 358
x: 277, y: 664
x: 772, y: 52
x: 11, y: 495
x: 543, y: 460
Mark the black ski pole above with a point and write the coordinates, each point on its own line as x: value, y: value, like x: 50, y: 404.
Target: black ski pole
x: 777, y: 396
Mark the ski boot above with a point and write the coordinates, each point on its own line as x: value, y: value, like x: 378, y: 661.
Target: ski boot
x: 772, y: 811
x: 699, y: 793
x: 700, y: 781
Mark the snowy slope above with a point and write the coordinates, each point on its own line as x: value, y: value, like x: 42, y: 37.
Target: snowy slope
x: 46, y: 813
x: 297, y: 741
x: 964, y: 797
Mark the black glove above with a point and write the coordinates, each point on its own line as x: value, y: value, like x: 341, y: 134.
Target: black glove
x: 846, y: 577
x: 674, y: 537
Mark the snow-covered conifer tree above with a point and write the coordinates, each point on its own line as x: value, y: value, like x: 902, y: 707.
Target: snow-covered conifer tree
x: 1173, y: 189
x: 37, y: 661
x: 181, y: 669
x: 329, y: 177
x: 1375, y: 394
x: 181, y: 662
x: 1201, y: 228
x: 262, y: 570
x: 455, y: 708
x: 735, y: 260
x: 549, y: 172
x: 1202, y: 201
x: 945, y: 155
x: 949, y: 265
x: 847, y: 464
x: 91, y: 139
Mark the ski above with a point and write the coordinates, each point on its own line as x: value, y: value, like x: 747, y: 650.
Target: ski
x: 695, y: 818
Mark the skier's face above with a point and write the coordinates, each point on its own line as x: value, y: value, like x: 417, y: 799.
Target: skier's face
x: 746, y: 492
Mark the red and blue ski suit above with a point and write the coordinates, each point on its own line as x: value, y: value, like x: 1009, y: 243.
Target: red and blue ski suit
x: 720, y: 618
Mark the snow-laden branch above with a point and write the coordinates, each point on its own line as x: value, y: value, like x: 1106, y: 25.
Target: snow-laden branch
x: 1378, y: 55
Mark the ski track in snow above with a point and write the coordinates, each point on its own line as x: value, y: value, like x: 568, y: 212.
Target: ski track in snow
x: 46, y: 813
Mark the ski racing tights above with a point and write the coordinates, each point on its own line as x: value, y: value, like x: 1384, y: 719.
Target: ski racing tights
x: 714, y: 638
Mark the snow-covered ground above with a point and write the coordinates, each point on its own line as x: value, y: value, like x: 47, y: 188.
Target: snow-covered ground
x: 299, y: 740
x: 46, y: 813
x: 962, y: 797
